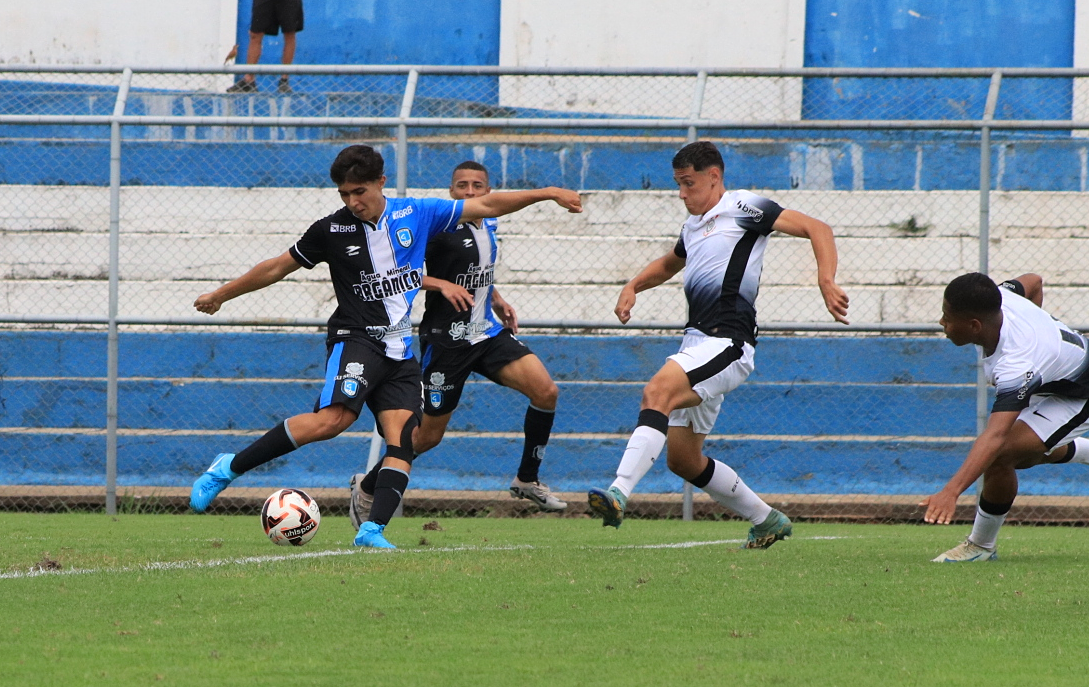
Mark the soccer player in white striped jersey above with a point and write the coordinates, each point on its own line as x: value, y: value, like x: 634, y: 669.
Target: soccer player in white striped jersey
x: 375, y: 248
x: 468, y: 327
x: 1040, y: 370
x: 721, y: 251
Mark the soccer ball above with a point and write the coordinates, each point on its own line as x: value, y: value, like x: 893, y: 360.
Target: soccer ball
x: 290, y: 517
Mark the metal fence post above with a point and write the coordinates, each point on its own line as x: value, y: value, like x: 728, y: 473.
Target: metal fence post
x: 697, y: 103
x: 697, y: 107
x: 985, y: 234
x: 402, y: 134
x: 111, y: 339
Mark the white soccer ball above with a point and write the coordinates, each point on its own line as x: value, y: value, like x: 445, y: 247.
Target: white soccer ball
x: 290, y: 517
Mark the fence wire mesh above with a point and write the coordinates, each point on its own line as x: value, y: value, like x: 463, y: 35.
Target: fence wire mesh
x: 833, y: 423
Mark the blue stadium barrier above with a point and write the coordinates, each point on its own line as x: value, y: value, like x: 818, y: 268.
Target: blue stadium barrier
x: 820, y: 414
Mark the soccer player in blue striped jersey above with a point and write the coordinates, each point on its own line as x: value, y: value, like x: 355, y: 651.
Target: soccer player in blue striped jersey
x: 721, y: 250
x: 468, y: 327
x: 375, y: 248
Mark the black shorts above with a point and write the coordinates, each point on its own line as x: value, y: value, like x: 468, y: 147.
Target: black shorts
x: 269, y: 16
x: 356, y: 373
x: 446, y: 369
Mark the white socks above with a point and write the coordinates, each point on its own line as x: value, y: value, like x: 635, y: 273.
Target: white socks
x: 985, y: 529
x: 727, y: 489
x: 643, y: 449
x: 1081, y: 451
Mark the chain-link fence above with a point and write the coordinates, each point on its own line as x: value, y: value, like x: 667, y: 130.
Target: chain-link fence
x: 127, y: 193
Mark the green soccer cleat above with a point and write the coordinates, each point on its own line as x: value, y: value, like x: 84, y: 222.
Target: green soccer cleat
x: 967, y: 552
x: 777, y: 526
x: 608, y: 504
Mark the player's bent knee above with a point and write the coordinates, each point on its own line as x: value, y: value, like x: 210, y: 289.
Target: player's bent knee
x: 547, y: 397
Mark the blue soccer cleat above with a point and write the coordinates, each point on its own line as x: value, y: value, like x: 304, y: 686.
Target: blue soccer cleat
x: 608, y: 504
x: 214, y: 480
x: 370, y: 535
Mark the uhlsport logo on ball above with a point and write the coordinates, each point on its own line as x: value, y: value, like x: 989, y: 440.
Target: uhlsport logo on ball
x: 290, y: 517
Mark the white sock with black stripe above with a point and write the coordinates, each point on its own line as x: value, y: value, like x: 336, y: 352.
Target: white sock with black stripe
x: 1081, y: 451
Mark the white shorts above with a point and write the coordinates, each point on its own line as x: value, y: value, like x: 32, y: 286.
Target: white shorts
x: 715, y: 367
x: 1057, y: 420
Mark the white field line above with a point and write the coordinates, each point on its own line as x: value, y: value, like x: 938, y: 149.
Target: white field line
x: 304, y: 555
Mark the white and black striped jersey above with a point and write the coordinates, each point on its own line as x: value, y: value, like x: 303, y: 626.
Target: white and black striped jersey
x: 466, y: 256
x: 1036, y: 354
x: 724, y: 253
x: 376, y: 269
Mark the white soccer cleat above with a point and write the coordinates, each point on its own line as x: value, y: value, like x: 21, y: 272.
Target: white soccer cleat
x: 967, y: 552
x: 537, y: 493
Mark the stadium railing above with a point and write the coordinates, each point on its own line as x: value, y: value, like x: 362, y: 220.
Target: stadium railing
x: 127, y: 192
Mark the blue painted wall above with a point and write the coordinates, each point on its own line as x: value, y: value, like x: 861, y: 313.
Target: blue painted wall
x: 387, y: 32
x: 219, y: 390
x: 937, y: 33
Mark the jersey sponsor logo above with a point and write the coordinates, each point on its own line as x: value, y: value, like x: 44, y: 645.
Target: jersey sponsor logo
x: 404, y: 237
x: 403, y: 212
x: 756, y: 213
x: 344, y: 332
x: 476, y: 277
x: 335, y: 228
x: 1023, y: 391
x: 354, y: 369
x: 465, y: 330
x: 467, y: 243
x: 402, y: 328
x: 352, y: 250
x: 375, y: 287
x: 438, y: 382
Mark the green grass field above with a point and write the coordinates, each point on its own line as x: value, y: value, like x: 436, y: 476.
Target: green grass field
x: 200, y: 600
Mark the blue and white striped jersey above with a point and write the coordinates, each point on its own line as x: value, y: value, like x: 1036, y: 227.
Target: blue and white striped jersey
x: 465, y: 255
x: 376, y: 269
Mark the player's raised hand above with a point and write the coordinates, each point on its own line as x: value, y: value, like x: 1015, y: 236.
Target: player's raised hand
x: 940, y: 508
x: 835, y: 299
x: 624, y: 304
x: 569, y: 199
x: 458, y: 296
x: 208, y: 303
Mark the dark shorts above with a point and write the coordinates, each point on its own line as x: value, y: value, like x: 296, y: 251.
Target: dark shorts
x: 356, y: 374
x: 269, y: 16
x: 446, y: 369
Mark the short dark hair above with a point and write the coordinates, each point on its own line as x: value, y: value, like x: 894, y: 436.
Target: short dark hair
x: 475, y: 166
x: 357, y: 164
x: 699, y: 156
x: 973, y: 294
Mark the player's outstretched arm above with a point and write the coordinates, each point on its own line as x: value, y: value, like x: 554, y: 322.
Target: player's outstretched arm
x: 499, y: 203
x: 824, y: 249
x: 504, y: 311
x: 261, y: 275
x: 458, y: 296
x: 657, y: 272
x: 941, y: 507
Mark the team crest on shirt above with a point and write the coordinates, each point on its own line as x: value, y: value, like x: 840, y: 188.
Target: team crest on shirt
x: 709, y: 228
x: 404, y: 237
x: 435, y: 397
x: 350, y: 387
